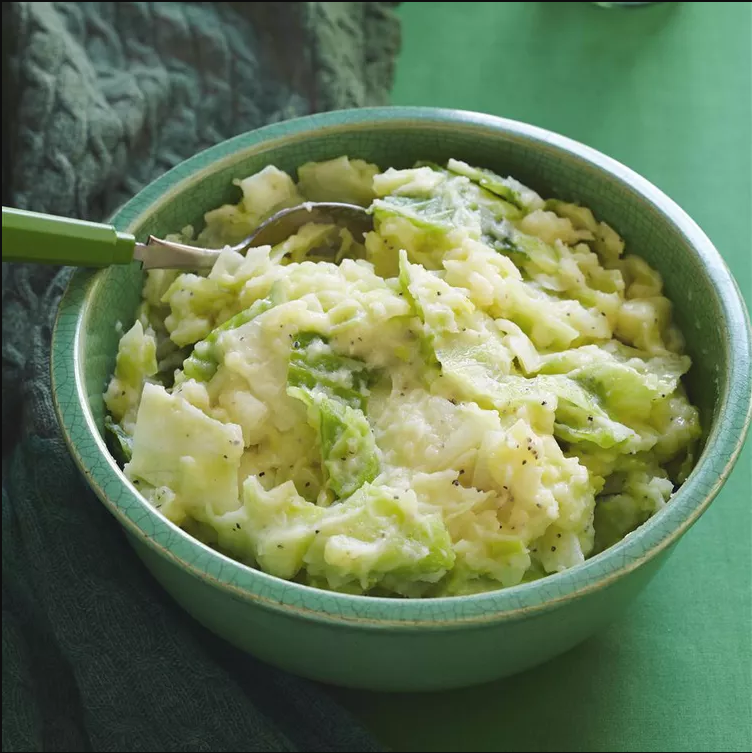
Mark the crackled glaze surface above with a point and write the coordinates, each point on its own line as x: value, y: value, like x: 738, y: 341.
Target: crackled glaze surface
x: 708, y: 308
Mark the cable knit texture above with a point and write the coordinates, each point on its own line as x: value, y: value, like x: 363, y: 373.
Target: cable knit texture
x: 98, y: 99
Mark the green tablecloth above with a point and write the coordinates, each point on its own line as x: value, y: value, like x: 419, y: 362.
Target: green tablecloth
x: 667, y: 90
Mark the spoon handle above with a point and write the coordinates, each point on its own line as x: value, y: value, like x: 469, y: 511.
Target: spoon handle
x: 46, y: 239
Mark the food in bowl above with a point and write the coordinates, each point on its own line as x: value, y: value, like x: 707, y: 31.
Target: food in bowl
x: 483, y: 392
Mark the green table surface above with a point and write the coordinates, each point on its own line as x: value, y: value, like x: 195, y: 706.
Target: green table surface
x: 667, y: 90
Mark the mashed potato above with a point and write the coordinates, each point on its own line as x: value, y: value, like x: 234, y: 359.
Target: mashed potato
x: 485, y: 391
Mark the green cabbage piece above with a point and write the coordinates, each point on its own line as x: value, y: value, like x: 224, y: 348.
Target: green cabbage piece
x: 452, y: 203
x: 348, y: 447
x: 335, y: 391
x: 627, y: 380
x: 641, y: 494
x: 118, y: 440
x: 135, y: 363
x: 277, y: 526
x: 432, y: 214
x: 202, y: 364
x: 379, y: 537
x: 314, y: 367
x: 508, y: 189
x: 342, y: 179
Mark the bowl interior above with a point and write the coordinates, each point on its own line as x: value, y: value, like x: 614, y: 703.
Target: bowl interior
x: 707, y: 306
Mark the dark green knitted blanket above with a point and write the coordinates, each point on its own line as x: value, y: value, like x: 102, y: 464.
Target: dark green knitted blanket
x: 99, y: 99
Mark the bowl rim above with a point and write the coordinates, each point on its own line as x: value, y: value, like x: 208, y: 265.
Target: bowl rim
x: 722, y: 448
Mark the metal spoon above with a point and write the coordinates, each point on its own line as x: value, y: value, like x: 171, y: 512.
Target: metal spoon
x: 46, y: 239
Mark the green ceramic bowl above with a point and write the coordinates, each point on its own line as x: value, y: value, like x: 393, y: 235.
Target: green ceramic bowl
x: 391, y: 644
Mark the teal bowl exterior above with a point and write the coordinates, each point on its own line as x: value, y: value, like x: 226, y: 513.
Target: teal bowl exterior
x: 405, y: 644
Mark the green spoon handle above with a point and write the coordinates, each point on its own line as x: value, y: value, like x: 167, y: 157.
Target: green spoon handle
x: 46, y: 239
